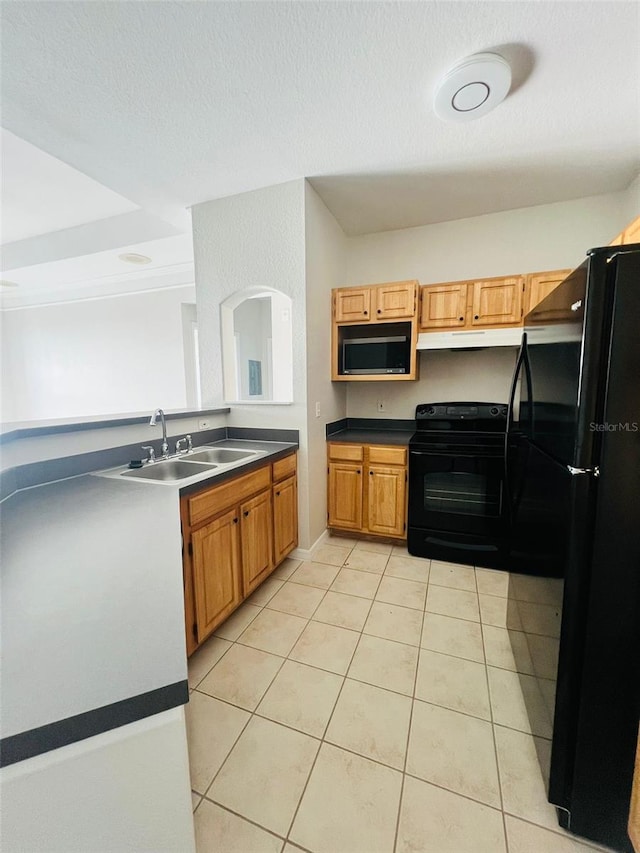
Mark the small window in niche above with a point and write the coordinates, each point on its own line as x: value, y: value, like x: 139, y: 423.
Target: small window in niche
x: 255, y: 378
x: 257, y: 346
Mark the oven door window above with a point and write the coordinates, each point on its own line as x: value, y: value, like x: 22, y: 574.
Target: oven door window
x: 461, y: 485
x: 455, y: 491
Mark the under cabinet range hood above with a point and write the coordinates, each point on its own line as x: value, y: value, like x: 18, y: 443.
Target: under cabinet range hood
x: 471, y: 339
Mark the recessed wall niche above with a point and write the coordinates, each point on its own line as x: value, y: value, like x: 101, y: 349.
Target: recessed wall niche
x: 257, y: 350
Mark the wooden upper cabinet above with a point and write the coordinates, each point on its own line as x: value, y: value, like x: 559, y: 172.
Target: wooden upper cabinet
x: 216, y: 572
x: 386, y: 500
x: 631, y: 233
x: 497, y: 301
x: 256, y: 540
x: 540, y: 284
x: 444, y: 306
x: 396, y: 300
x: 352, y: 305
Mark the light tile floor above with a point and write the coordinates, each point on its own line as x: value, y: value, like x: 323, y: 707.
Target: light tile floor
x: 368, y: 702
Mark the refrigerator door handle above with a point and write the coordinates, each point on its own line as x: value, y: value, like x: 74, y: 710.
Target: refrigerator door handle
x: 573, y: 471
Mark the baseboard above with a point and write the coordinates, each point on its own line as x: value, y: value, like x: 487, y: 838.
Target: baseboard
x: 303, y: 553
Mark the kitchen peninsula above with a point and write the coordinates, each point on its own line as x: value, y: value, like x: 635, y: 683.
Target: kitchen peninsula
x: 94, y: 671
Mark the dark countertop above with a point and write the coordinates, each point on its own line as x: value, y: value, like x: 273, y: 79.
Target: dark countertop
x: 372, y: 436
x: 371, y: 431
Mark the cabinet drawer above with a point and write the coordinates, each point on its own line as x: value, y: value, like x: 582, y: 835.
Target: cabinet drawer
x: 387, y: 455
x: 218, y: 498
x: 346, y: 452
x: 284, y: 467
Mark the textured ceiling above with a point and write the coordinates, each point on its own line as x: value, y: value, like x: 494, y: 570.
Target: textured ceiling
x: 41, y: 194
x: 170, y: 104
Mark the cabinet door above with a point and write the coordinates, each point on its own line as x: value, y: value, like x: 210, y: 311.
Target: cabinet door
x: 386, y: 500
x: 497, y: 301
x: 256, y: 540
x: 285, y: 518
x: 345, y: 495
x: 539, y: 285
x: 353, y: 305
x: 444, y: 306
x: 631, y: 233
x: 216, y: 572
x: 395, y: 300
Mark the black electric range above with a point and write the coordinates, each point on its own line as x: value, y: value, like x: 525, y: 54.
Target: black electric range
x: 457, y: 491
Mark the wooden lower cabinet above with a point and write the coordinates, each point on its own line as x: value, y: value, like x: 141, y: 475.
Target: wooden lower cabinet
x: 367, y: 496
x: 345, y: 495
x: 256, y: 538
x: 216, y: 572
x: 285, y: 518
x: 386, y: 500
x: 234, y: 535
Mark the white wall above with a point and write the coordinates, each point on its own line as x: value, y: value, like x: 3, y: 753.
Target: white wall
x: 91, y: 357
x: 551, y: 236
x: 546, y: 237
x: 445, y: 376
x: 256, y: 239
x: 325, y: 245
x: 631, y: 201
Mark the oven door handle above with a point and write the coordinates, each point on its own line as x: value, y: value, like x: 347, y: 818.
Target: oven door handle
x: 472, y: 451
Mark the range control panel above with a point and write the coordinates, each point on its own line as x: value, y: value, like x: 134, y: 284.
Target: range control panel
x: 462, y: 416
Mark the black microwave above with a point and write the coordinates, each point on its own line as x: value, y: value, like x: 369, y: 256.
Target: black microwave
x: 376, y: 355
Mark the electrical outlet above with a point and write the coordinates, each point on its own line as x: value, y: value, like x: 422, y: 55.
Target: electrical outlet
x: 204, y: 424
x: 382, y: 406
x: 317, y: 410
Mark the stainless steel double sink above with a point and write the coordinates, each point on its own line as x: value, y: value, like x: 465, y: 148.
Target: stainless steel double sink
x: 200, y: 461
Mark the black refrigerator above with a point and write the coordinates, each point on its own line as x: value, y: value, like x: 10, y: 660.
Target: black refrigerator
x: 573, y: 478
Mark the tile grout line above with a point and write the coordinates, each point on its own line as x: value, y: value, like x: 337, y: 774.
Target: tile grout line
x: 413, y: 701
x: 326, y: 728
x: 251, y: 713
x: 493, y: 730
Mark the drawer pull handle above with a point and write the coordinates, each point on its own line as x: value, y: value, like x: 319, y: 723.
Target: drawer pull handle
x: 235, y: 520
x: 358, y: 471
x: 371, y: 473
x: 476, y: 317
x: 277, y: 494
x: 461, y: 319
x: 365, y: 313
x: 246, y: 513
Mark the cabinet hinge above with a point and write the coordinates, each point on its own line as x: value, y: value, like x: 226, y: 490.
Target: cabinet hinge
x: 190, y: 549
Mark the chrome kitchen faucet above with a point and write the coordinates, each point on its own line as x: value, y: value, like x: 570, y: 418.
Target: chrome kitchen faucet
x: 153, y: 422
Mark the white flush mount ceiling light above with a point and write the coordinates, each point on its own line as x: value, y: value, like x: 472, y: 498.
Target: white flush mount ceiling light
x: 473, y: 87
x: 134, y: 258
